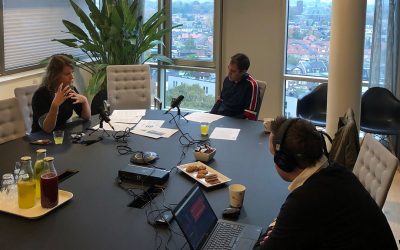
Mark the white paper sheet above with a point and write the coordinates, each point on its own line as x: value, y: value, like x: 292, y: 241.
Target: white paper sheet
x: 117, y: 126
x: 203, y: 117
x: 127, y: 116
x: 225, y: 133
x: 155, y: 132
x: 149, y: 124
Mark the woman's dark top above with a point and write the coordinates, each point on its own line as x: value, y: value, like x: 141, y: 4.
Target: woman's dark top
x: 41, y: 102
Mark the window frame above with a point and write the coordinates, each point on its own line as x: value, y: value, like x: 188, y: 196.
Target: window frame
x: 189, y: 65
x: 298, y: 77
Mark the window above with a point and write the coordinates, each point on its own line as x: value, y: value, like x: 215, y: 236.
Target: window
x: 307, y: 47
x: 29, y: 27
x: 194, y: 39
x: 192, y: 86
x: 192, y: 48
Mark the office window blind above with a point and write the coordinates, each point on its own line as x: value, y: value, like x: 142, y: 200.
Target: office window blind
x: 29, y: 27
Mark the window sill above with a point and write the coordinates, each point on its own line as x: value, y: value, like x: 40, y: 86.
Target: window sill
x: 22, y: 75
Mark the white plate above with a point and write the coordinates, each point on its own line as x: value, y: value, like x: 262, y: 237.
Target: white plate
x: 37, y: 210
x: 222, y: 178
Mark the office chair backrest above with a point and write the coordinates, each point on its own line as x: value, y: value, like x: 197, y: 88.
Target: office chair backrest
x: 11, y: 120
x: 128, y: 86
x: 375, y: 168
x: 312, y: 106
x: 345, y: 145
x: 380, y: 111
x: 24, y: 97
x: 98, y: 101
x: 262, y: 87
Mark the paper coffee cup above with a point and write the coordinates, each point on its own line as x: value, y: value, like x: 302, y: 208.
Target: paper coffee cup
x: 267, y: 124
x: 236, y: 195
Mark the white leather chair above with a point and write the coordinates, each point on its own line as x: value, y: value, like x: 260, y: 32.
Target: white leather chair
x: 24, y: 97
x: 375, y: 168
x: 128, y: 86
x: 11, y: 120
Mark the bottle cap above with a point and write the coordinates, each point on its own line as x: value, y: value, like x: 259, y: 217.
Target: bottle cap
x: 48, y: 158
x: 41, y: 150
x: 26, y: 158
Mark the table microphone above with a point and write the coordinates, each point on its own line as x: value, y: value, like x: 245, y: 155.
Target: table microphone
x: 175, y: 103
x: 105, y: 116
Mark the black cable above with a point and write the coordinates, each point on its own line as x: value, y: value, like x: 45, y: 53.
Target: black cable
x: 188, y: 137
x: 122, y: 136
x: 190, y: 142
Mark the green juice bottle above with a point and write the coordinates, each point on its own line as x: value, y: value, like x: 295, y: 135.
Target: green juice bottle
x: 38, y: 168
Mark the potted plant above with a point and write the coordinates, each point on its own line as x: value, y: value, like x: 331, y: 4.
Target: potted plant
x: 115, y: 35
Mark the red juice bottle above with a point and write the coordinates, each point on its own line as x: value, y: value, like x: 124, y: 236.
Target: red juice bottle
x: 49, y: 184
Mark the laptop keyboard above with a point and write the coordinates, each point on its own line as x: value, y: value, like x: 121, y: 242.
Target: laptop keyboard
x: 224, y: 236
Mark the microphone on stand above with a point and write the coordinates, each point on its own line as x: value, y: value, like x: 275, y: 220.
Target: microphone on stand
x: 105, y: 113
x: 175, y: 103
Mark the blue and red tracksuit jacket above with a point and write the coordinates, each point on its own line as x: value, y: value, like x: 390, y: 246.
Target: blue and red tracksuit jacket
x: 238, y: 99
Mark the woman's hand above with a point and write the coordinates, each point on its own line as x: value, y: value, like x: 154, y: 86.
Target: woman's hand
x: 77, y: 98
x: 61, y: 95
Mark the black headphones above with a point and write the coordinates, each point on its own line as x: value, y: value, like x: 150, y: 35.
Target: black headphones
x: 282, y: 159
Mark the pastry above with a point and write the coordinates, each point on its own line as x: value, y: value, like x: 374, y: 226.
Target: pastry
x: 199, y: 176
x: 192, y: 168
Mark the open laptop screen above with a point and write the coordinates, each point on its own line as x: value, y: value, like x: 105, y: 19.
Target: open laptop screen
x: 195, y: 217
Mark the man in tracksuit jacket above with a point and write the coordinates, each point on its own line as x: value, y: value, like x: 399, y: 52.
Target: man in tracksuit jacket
x: 240, y: 92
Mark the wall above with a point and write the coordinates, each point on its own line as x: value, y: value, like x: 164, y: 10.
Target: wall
x: 257, y: 28
x: 9, y: 83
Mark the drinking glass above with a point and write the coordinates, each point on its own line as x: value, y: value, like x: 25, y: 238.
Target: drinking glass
x: 6, y: 183
x: 58, y: 136
x: 204, y: 128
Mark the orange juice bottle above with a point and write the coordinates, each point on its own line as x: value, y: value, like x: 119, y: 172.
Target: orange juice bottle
x: 26, y: 184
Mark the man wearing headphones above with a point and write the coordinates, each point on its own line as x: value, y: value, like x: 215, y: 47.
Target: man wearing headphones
x: 327, y: 208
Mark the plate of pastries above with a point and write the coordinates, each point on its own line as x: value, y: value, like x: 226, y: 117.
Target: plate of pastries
x: 204, y: 174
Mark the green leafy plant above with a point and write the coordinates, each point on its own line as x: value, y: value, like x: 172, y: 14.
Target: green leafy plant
x: 114, y: 35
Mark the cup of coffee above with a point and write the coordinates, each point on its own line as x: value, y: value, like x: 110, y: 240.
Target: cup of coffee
x: 58, y: 136
x: 267, y: 124
x: 236, y: 195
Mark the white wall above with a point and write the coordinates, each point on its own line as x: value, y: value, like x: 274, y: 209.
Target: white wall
x: 257, y: 28
x: 9, y: 83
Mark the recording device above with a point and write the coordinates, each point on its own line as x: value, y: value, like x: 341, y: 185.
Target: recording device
x: 105, y: 113
x: 144, y: 175
x: 175, y: 103
x: 143, y: 157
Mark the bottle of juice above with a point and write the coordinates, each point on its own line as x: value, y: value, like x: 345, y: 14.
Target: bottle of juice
x: 49, y: 184
x: 38, y: 168
x: 26, y: 184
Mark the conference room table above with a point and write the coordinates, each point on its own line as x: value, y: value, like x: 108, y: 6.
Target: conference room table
x: 98, y: 215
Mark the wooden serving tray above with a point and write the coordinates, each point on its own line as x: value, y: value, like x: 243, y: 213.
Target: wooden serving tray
x: 36, y: 211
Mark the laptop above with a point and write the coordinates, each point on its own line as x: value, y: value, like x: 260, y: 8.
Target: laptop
x: 203, y: 230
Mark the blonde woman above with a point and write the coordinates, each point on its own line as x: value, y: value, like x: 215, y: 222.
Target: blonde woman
x: 55, y: 100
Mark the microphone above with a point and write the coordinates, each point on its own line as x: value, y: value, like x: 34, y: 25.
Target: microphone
x: 175, y: 103
x: 105, y: 114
